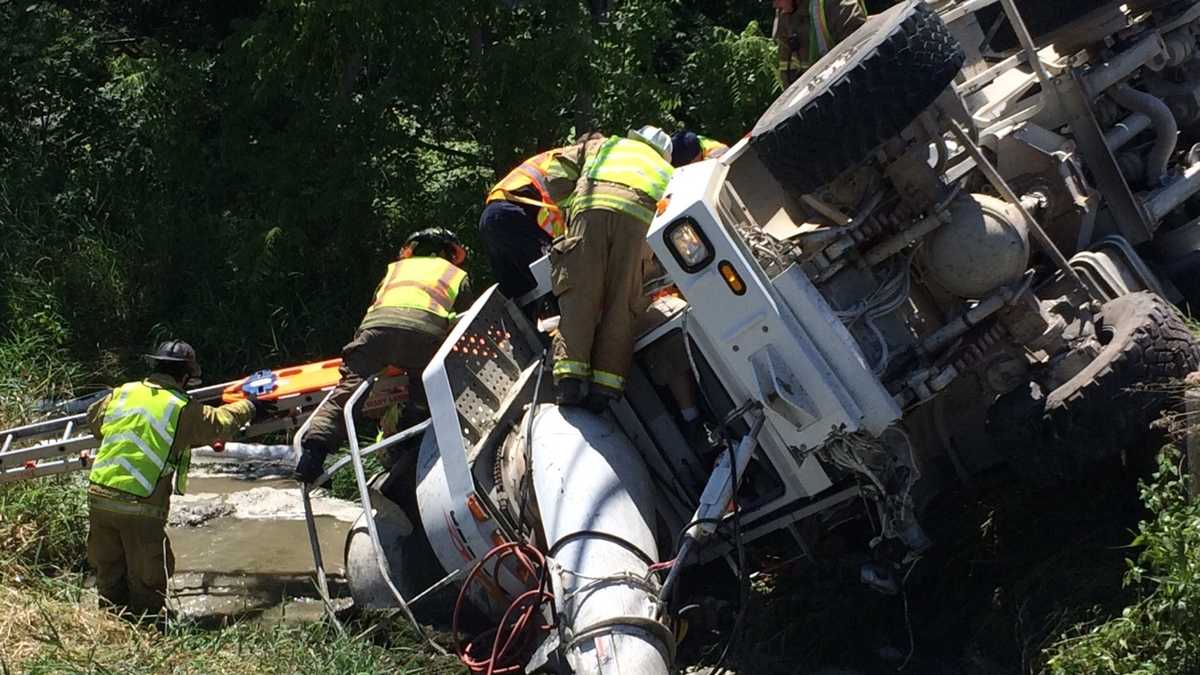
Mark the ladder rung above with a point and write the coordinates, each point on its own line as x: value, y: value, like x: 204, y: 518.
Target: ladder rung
x: 54, y: 449
x: 40, y: 430
x: 44, y: 469
x: 55, y: 427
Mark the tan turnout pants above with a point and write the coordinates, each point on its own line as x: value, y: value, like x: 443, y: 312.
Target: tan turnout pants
x: 131, y: 554
x: 597, y: 274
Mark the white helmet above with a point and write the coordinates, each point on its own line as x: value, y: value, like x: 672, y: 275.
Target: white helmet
x: 655, y: 138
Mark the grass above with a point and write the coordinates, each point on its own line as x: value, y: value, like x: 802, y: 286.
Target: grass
x: 49, y: 622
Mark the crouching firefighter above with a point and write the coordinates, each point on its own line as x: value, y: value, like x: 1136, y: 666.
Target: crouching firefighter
x: 422, y: 292
x: 146, y: 431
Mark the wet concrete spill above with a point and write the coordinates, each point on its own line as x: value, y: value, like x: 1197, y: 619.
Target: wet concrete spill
x: 242, y: 550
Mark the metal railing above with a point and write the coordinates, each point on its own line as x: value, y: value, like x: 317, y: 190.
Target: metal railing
x: 355, y: 459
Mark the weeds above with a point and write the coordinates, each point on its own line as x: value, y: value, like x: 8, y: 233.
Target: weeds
x: 1157, y: 633
x: 43, y: 524
x: 52, y: 628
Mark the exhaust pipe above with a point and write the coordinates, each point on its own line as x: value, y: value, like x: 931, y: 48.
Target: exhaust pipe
x: 597, y: 507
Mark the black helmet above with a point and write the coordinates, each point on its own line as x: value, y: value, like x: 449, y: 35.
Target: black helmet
x: 435, y: 241
x: 685, y: 147
x: 176, y: 351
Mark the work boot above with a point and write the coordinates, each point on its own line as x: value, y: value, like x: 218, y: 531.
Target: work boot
x: 311, y: 465
x: 599, y: 399
x: 571, y: 391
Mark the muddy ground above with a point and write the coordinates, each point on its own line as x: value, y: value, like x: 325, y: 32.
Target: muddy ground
x: 242, y: 549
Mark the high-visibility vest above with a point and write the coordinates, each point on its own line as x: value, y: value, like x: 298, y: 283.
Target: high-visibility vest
x: 137, y: 434
x: 534, y: 172
x: 425, y: 283
x: 627, y: 162
x: 708, y: 147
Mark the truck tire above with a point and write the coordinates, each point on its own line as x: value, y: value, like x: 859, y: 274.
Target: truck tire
x: 866, y: 90
x: 1109, y: 406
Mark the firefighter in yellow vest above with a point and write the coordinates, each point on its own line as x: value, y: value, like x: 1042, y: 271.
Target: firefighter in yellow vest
x: 405, y: 325
x: 146, y: 431
x: 805, y: 30
x: 597, y: 267
x: 688, y: 147
x: 525, y: 211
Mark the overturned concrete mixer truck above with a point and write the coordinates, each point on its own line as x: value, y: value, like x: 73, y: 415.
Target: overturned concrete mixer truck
x: 955, y: 243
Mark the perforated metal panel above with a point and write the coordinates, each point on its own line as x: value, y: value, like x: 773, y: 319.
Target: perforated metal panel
x: 486, y: 362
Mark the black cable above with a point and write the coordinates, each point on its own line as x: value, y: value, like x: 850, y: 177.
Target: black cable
x: 743, y: 577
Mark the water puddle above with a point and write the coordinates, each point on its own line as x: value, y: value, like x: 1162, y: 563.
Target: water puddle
x: 242, y: 546
x: 242, y: 550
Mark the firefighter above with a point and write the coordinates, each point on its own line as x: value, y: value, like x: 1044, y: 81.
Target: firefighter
x: 146, y: 431
x: 805, y: 30
x: 688, y: 147
x: 597, y: 267
x: 409, y: 319
x: 525, y: 211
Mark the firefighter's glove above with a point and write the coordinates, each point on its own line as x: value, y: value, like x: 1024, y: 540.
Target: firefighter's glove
x: 263, y: 410
x: 310, y: 466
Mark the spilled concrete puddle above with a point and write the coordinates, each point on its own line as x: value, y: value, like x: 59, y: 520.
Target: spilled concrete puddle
x: 242, y: 550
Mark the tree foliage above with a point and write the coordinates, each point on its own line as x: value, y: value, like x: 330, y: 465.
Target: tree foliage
x: 238, y: 173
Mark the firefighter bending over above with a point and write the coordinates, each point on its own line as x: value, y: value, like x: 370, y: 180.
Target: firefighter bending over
x: 525, y: 211
x: 596, y: 268
x: 688, y: 147
x: 409, y: 319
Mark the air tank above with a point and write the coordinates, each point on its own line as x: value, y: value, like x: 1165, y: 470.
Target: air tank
x: 984, y: 246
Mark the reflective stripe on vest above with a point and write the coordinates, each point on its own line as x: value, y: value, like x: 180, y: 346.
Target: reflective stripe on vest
x: 137, y: 434
x: 533, y: 172
x: 821, y: 40
x: 424, y: 283
x: 631, y: 163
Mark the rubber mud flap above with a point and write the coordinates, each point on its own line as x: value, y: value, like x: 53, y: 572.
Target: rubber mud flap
x: 866, y: 90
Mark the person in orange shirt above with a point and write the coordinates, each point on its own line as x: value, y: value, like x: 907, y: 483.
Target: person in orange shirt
x: 526, y: 210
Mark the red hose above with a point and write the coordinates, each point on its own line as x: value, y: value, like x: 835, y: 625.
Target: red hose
x: 513, y: 636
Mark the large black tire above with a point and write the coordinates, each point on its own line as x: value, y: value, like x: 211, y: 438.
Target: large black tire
x: 1109, y: 406
x: 862, y: 93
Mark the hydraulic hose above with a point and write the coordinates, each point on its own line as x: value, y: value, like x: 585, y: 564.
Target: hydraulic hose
x: 1166, y: 129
